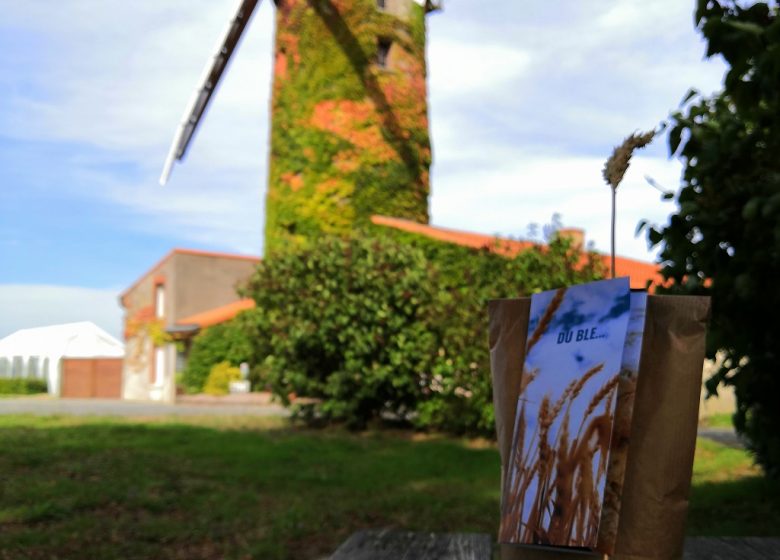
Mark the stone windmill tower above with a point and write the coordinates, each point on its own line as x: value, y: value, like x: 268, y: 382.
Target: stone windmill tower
x: 349, y: 122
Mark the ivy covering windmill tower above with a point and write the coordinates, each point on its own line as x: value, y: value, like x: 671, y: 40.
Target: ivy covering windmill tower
x: 349, y: 119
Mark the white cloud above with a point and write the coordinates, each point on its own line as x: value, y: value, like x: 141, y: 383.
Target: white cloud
x: 469, y: 70
x: 528, y: 191
x: 536, y: 145
x: 526, y: 102
x: 116, y: 77
x: 121, y: 80
x: 35, y: 305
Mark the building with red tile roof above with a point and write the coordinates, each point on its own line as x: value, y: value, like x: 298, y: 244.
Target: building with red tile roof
x: 217, y: 315
x: 190, y: 290
x: 641, y: 273
x: 185, y: 291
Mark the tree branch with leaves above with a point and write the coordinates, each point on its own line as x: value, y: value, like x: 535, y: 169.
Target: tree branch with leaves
x: 724, y: 238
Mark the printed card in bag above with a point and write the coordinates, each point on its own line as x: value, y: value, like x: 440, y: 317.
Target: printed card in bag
x: 565, y: 472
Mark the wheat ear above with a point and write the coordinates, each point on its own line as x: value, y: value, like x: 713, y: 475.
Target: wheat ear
x: 544, y: 322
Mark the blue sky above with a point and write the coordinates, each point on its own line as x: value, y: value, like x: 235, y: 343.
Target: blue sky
x: 526, y: 102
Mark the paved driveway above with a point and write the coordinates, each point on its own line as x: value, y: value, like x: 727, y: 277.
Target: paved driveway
x: 725, y: 436
x: 102, y: 407
x: 45, y: 406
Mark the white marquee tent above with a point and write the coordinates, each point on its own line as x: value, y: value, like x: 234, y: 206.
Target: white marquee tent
x: 37, y: 353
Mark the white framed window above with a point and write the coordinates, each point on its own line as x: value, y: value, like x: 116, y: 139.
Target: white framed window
x: 159, y: 301
x: 159, y: 365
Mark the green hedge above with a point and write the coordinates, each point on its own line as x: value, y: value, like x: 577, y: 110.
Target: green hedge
x: 458, y: 397
x: 349, y: 325
x: 394, y: 324
x: 22, y: 386
x: 234, y: 342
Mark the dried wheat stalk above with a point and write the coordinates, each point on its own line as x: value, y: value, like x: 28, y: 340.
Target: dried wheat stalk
x: 565, y: 508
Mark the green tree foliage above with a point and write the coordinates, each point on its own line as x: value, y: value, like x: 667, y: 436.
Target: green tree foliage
x: 234, y: 341
x: 349, y: 325
x: 396, y: 323
x: 459, y: 392
x: 724, y: 240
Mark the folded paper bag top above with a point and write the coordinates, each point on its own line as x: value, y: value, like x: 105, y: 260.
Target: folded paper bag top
x: 663, y: 430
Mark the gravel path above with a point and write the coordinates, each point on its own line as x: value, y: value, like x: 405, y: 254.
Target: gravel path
x: 725, y: 436
x: 102, y: 407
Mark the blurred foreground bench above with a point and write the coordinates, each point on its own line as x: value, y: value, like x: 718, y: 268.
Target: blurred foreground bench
x: 386, y: 544
x: 399, y: 545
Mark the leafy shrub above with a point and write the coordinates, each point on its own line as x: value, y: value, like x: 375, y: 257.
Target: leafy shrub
x: 396, y: 323
x: 349, y: 324
x: 220, y: 376
x: 234, y: 341
x: 458, y: 391
x: 19, y: 386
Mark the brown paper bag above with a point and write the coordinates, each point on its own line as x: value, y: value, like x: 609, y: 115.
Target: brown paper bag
x: 662, y: 441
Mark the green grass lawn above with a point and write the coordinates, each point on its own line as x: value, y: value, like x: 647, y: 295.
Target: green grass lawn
x: 257, y: 488
x: 717, y: 421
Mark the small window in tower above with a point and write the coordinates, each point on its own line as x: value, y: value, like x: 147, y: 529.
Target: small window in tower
x: 381, y: 4
x: 383, y: 52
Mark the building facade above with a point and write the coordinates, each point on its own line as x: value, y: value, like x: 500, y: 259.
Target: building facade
x: 183, y: 284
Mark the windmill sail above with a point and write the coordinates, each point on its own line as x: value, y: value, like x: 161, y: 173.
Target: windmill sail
x: 208, y: 84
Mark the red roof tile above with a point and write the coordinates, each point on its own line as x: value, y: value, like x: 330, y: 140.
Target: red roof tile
x: 639, y: 272
x: 218, y: 314
x: 508, y: 247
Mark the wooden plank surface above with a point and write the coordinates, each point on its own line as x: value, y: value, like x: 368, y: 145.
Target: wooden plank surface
x: 720, y: 548
x: 400, y: 545
x: 397, y: 545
